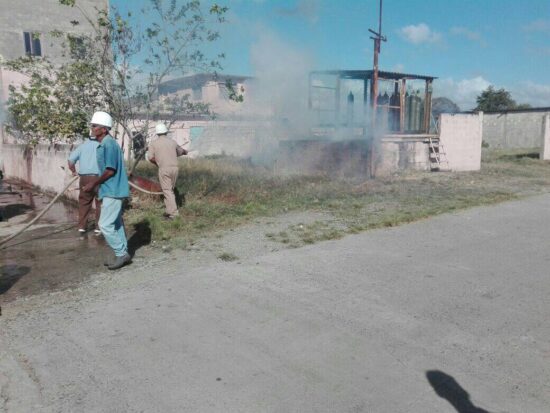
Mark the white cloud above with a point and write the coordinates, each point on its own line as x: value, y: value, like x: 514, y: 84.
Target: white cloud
x: 537, y: 95
x: 419, y: 34
x: 399, y: 68
x: 468, y: 34
x: 463, y: 92
x: 306, y: 9
x: 540, y: 25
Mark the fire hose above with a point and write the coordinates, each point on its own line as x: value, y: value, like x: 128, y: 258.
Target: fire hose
x: 144, y: 190
x: 4, y: 241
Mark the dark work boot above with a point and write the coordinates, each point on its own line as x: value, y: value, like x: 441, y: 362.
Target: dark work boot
x: 120, y: 262
x: 109, y: 261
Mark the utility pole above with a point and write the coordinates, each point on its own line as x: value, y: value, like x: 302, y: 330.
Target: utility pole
x: 378, y: 38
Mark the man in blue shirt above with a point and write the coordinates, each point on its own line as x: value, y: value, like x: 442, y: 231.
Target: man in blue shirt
x: 113, y: 188
x: 85, y: 155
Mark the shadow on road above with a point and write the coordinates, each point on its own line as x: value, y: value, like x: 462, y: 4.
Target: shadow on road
x: 10, y: 274
x: 140, y: 237
x: 447, y: 387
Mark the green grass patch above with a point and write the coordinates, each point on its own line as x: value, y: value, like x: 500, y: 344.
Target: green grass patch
x: 224, y: 193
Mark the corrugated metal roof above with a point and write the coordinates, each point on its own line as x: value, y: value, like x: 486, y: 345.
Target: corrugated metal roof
x: 367, y: 74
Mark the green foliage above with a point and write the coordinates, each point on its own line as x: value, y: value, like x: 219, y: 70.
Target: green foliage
x: 233, y: 93
x: 497, y: 100
x: 523, y: 106
x: 54, y: 104
x: 118, y: 67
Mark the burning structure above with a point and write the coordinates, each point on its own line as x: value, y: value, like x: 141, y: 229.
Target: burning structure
x: 344, y: 99
x: 354, y: 133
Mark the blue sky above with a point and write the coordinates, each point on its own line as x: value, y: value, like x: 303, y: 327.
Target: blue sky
x: 466, y: 44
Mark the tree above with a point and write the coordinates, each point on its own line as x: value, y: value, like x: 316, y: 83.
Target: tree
x: 55, y: 103
x: 497, y: 100
x: 103, y: 70
x: 443, y: 105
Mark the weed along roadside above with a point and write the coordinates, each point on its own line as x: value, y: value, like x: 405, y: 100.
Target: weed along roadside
x: 233, y: 211
x: 223, y: 193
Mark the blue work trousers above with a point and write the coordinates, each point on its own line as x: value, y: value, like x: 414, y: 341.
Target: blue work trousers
x: 111, y: 225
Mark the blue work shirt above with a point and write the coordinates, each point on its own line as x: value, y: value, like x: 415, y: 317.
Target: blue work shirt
x: 86, y: 156
x: 109, y: 156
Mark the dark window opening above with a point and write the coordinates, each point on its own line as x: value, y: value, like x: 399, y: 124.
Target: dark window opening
x: 32, y: 44
x: 77, y: 47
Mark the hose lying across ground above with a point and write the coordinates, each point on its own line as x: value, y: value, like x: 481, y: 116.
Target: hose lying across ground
x: 144, y: 190
x: 4, y: 241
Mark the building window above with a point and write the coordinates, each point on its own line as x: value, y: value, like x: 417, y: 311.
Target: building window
x: 32, y: 44
x: 77, y: 48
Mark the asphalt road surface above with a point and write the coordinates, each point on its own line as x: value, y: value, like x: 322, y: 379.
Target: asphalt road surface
x: 449, y: 314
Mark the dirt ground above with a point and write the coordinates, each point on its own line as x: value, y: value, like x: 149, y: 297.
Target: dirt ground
x: 52, y: 257
x: 39, y: 260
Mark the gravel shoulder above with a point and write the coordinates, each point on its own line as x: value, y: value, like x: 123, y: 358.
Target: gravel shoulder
x: 448, y: 311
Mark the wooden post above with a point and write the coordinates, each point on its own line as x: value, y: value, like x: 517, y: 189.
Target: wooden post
x: 428, y: 106
x: 337, y: 102
x: 402, y: 105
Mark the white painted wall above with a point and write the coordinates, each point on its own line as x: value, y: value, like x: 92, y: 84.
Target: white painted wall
x: 40, y: 166
x: 460, y: 138
x: 509, y: 130
x: 545, y: 152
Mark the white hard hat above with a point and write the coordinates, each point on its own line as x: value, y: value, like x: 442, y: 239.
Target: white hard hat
x: 161, y: 129
x: 103, y: 119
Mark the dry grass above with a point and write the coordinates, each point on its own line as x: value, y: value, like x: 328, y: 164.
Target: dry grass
x: 224, y: 193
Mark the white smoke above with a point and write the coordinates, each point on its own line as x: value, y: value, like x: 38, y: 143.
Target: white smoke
x: 280, y: 87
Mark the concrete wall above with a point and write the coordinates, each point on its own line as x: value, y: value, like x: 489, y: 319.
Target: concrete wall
x: 399, y: 154
x: 511, y: 130
x: 40, y: 166
x: 545, y: 151
x: 460, y: 140
x: 236, y: 138
x: 243, y: 139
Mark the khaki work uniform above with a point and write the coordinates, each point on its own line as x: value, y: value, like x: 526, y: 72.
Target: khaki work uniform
x: 166, y: 152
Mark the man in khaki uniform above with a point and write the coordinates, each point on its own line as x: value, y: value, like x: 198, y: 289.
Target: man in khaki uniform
x: 164, y: 153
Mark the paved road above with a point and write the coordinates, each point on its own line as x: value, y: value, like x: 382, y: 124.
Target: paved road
x: 444, y: 315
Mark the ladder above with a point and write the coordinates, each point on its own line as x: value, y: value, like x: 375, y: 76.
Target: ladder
x: 438, y: 159
x: 433, y: 124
